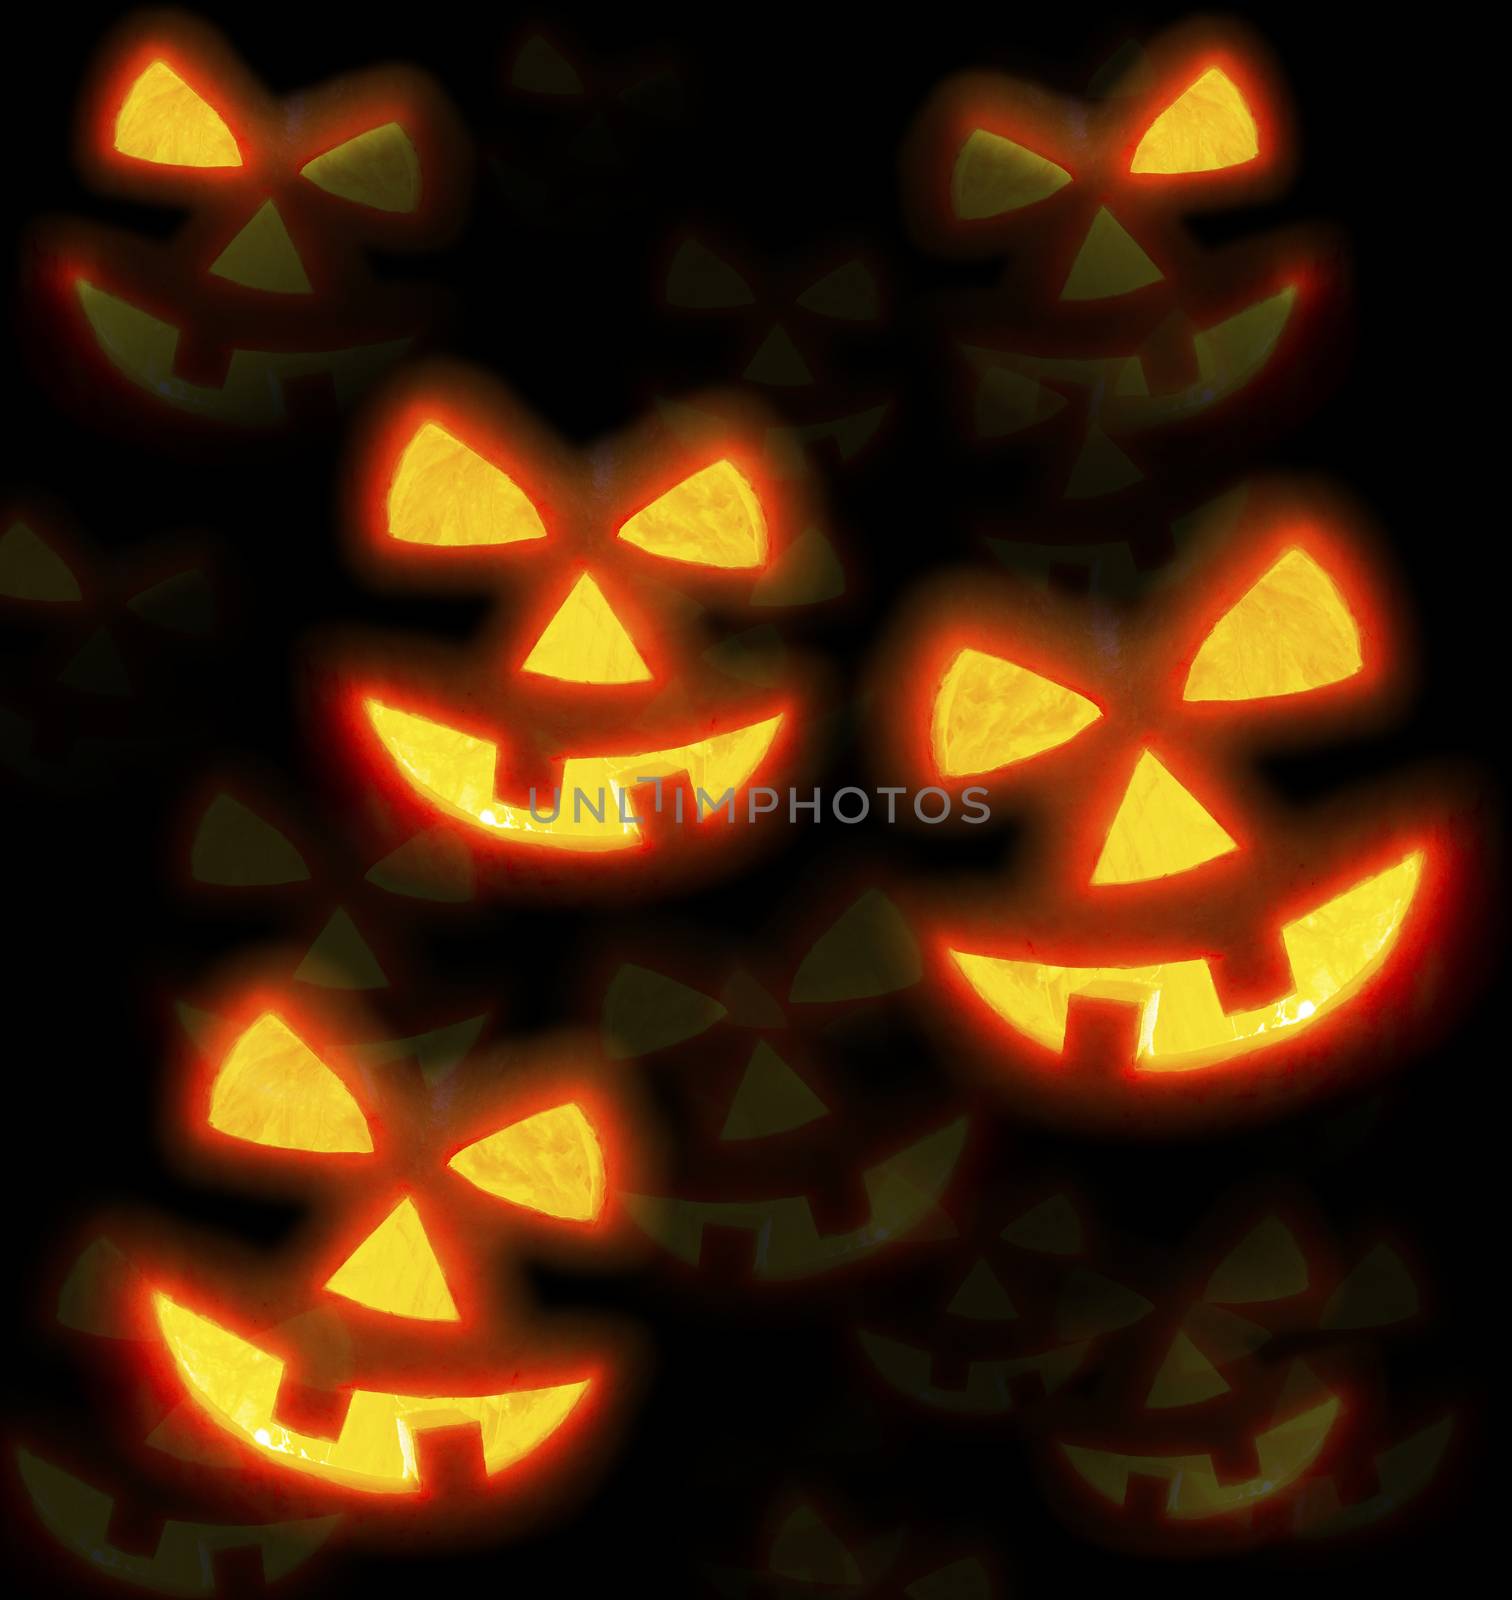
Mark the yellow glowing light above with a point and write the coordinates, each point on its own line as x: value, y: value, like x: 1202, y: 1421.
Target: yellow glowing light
x: 1109, y: 263
x: 993, y: 175
x: 1332, y: 949
x: 444, y: 493
x: 586, y: 643
x: 395, y: 1270
x: 712, y: 519
x: 164, y: 121
x: 272, y: 1089
x: 551, y: 1163
x: 236, y: 1385
x: 378, y: 168
x: 989, y: 713
x: 1205, y: 129
x: 1284, y: 1452
x: 456, y: 772
x: 1291, y: 632
x: 1160, y: 829
x: 263, y: 256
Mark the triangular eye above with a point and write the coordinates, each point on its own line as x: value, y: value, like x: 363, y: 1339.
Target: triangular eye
x: 994, y: 175
x: 712, y: 519
x: 444, y: 493
x: 551, y: 1163
x: 848, y: 293
x: 990, y: 713
x: 378, y: 168
x: 1291, y: 632
x: 272, y: 1089
x: 698, y: 280
x: 164, y: 121
x: 1208, y: 127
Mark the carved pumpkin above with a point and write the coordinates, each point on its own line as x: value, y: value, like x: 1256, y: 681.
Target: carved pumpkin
x: 263, y: 298
x: 354, y: 1356
x: 787, y: 1171
x: 1233, y: 1415
x: 1113, y: 314
x: 604, y: 718
x: 1173, y: 946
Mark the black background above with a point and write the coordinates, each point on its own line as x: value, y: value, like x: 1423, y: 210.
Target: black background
x: 791, y: 131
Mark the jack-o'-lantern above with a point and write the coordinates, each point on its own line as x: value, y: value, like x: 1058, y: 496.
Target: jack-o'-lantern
x: 797, y: 1158
x: 370, y: 1361
x: 91, y: 681
x: 605, y: 717
x: 793, y: 335
x: 1113, y: 314
x: 261, y: 308
x: 996, y: 1322
x: 1174, y: 946
x: 1239, y: 1412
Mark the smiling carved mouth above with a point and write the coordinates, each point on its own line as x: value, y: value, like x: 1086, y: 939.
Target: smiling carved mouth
x: 143, y: 349
x: 237, y: 1384
x: 1183, y: 1027
x: 457, y: 772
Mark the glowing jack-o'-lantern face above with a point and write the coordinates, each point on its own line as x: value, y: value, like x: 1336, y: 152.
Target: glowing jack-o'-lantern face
x: 577, y: 727
x: 1112, y: 308
x: 402, y: 1279
x: 1210, y: 930
x: 263, y: 297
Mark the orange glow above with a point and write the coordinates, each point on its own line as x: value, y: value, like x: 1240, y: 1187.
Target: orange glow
x: 711, y: 519
x: 164, y: 121
x: 378, y: 168
x: 456, y: 772
x: 551, y: 1163
x: 1207, y: 128
x: 585, y: 642
x: 990, y: 713
x: 1333, y: 950
x: 444, y: 493
x: 272, y: 1089
x: 1291, y: 632
x: 236, y: 1384
x: 1160, y: 829
x: 395, y: 1270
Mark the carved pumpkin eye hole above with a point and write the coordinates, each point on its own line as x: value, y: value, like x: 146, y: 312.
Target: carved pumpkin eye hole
x: 164, y: 121
x: 990, y: 713
x: 444, y: 493
x: 273, y: 1090
x: 1292, y: 631
x: 849, y: 294
x: 551, y: 1162
x: 994, y: 175
x: 378, y: 168
x: 712, y: 519
x: 1206, y: 128
x: 699, y: 280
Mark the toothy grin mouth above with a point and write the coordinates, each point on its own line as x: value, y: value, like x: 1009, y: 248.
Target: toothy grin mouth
x: 456, y: 771
x: 237, y: 1384
x: 1333, y: 950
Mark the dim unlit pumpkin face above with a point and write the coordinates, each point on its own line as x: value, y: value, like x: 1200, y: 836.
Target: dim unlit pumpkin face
x: 446, y: 497
x: 1291, y: 634
x: 273, y: 1091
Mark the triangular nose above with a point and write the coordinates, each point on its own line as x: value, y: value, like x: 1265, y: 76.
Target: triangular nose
x: 1160, y: 829
x: 262, y: 256
x: 586, y: 643
x: 778, y: 362
x: 1109, y: 263
x: 395, y: 1270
